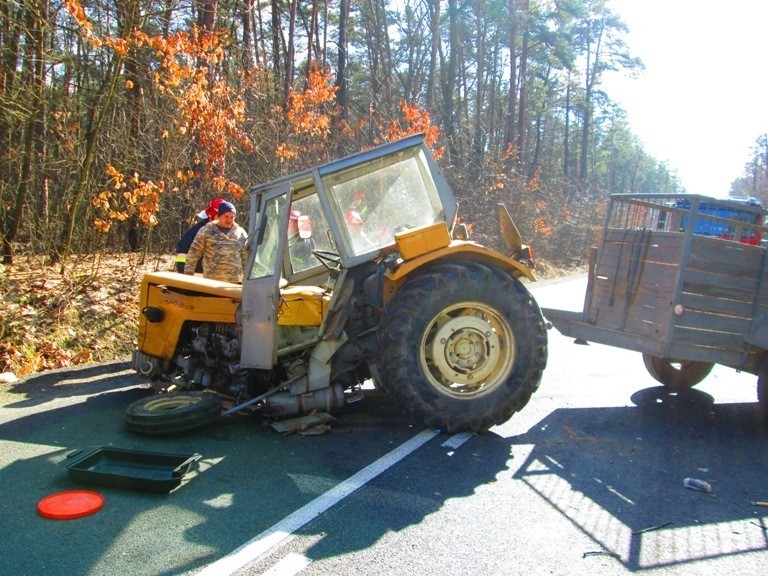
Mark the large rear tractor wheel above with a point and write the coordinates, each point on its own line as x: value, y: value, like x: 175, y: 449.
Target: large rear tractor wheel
x: 462, y: 347
x: 677, y: 375
x: 172, y: 413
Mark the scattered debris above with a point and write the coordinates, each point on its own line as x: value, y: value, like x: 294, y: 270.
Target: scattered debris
x: 652, y: 528
x: 763, y: 504
x: 305, y: 424
x: 314, y: 430
x: 696, y: 484
x: 601, y: 553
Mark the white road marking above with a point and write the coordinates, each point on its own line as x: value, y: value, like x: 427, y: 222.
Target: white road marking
x: 274, y: 536
x: 457, y: 440
x: 291, y: 565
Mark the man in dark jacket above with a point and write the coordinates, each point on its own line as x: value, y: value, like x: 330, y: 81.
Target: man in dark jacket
x: 182, y: 246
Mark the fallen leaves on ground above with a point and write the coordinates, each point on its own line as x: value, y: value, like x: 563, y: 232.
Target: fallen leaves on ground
x: 50, y: 320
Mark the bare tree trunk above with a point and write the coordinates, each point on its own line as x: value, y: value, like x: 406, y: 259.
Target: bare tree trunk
x: 128, y: 14
x: 206, y: 17
x: 434, y: 8
x: 310, y: 33
x: 567, y: 130
x: 324, y: 52
x: 522, y: 104
x: 478, y: 137
x: 493, y: 111
x: 247, y: 52
x: 290, y: 52
x: 98, y: 115
x: 341, y: 74
x: 276, y: 58
x: 379, y: 56
x: 509, y: 133
x: 540, y: 114
x: 449, y: 79
x: 33, y: 73
x: 257, y: 24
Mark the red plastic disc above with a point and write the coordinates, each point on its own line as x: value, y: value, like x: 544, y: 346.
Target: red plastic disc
x: 70, y: 504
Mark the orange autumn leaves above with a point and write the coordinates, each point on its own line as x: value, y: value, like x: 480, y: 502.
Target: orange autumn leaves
x: 309, y: 114
x: 209, y: 119
x: 209, y: 116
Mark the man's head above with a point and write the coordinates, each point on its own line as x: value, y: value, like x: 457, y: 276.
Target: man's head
x: 226, y: 214
x: 211, y: 210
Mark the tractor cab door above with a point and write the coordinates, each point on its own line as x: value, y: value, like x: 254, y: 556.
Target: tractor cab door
x: 261, y: 285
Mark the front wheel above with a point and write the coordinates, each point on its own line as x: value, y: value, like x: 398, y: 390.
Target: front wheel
x: 677, y: 375
x: 462, y: 347
x: 172, y: 413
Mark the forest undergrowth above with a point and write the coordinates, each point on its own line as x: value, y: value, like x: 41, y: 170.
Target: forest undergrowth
x: 87, y: 316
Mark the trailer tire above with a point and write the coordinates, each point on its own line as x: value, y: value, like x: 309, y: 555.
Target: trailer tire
x: 462, y: 346
x: 676, y: 375
x: 172, y: 413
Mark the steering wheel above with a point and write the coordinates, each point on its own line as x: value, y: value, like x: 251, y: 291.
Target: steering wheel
x: 330, y: 260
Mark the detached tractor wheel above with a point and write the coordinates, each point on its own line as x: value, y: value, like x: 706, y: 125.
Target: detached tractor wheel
x: 172, y: 413
x: 677, y: 375
x: 462, y: 347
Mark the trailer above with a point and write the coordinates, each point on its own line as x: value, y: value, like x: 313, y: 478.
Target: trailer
x: 682, y: 280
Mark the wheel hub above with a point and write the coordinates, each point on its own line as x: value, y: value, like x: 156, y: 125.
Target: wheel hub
x: 466, y: 349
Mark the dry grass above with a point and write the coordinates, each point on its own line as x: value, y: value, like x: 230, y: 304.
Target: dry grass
x: 49, y: 320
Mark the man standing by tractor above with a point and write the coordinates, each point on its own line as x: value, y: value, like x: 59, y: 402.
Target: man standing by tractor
x: 182, y: 246
x: 221, y: 246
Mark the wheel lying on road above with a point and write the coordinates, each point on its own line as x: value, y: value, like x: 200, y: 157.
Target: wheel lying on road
x: 677, y: 375
x: 462, y: 347
x: 173, y: 412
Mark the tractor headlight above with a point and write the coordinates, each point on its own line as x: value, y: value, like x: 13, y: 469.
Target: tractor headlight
x: 153, y: 314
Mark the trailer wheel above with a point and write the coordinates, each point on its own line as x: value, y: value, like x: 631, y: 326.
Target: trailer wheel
x: 462, y: 347
x: 677, y: 375
x: 172, y: 413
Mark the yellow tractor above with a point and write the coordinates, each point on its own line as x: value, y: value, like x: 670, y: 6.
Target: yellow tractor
x: 357, y: 274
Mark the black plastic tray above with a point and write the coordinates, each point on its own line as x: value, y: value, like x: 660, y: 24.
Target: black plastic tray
x: 130, y: 469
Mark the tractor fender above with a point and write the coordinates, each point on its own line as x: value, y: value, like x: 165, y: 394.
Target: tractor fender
x: 457, y: 250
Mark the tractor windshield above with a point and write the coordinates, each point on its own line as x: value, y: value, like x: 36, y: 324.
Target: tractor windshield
x: 374, y: 200
x: 268, y: 240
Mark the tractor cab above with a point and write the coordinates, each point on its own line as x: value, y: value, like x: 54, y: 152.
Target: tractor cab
x: 311, y: 230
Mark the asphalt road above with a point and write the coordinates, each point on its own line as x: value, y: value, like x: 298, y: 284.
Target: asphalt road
x: 587, y: 479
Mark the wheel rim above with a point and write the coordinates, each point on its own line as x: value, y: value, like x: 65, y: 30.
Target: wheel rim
x: 168, y: 403
x: 467, y: 350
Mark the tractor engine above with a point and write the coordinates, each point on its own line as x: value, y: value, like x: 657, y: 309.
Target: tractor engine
x: 211, y: 359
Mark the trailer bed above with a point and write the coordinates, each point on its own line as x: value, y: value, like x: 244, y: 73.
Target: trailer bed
x: 660, y: 285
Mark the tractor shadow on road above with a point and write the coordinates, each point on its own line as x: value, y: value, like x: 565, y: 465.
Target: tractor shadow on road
x: 69, y: 382
x: 617, y: 475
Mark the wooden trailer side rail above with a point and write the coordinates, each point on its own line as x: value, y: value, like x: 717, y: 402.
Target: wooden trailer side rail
x: 674, y: 294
